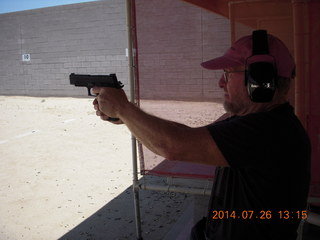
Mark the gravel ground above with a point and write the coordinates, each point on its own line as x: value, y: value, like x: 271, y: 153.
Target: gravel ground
x: 65, y: 174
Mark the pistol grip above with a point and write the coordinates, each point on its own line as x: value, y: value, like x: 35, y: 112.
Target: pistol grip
x: 111, y: 119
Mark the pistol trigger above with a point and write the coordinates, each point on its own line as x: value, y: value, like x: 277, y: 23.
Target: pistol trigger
x: 89, y: 92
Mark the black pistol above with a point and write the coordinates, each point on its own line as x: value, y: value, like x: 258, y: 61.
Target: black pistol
x: 90, y: 81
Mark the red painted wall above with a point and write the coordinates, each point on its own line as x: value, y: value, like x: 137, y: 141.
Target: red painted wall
x: 314, y: 104
x: 174, y: 37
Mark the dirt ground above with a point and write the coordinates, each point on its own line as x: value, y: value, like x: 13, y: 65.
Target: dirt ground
x: 65, y: 174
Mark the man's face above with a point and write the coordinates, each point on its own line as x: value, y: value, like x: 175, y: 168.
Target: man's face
x: 236, y: 98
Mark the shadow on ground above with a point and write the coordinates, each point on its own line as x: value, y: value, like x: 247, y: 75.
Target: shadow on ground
x: 116, y: 220
x: 159, y: 213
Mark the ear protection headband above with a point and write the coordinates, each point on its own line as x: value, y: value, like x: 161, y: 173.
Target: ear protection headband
x: 261, y: 71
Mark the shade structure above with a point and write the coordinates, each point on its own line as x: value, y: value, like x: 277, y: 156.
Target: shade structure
x: 170, y: 39
x: 173, y: 37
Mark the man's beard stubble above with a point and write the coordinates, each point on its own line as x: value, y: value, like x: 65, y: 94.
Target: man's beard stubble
x: 235, y: 108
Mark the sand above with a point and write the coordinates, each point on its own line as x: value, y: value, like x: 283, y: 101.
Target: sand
x: 65, y: 174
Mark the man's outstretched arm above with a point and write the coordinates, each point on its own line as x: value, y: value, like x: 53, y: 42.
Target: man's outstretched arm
x: 171, y: 140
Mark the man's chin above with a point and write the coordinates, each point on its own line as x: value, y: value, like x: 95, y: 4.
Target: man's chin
x: 227, y: 106
x: 230, y: 108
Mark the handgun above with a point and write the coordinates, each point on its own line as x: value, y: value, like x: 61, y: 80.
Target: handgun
x: 90, y: 81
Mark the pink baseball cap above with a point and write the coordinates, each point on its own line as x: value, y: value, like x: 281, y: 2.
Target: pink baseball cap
x: 241, y: 50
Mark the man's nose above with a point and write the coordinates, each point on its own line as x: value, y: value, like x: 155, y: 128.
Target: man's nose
x: 222, y: 81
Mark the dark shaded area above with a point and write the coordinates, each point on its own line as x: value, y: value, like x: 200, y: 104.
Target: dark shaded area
x: 310, y: 231
x: 116, y: 220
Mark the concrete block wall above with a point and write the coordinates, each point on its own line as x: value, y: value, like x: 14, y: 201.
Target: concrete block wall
x: 174, y: 37
x: 87, y: 38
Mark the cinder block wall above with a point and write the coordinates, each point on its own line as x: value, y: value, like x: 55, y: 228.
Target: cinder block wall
x: 174, y: 37
x: 88, y: 38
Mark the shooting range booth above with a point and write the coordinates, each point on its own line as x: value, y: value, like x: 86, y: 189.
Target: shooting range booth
x: 165, y: 53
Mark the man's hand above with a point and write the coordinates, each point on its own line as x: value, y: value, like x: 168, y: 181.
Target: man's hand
x: 109, y: 103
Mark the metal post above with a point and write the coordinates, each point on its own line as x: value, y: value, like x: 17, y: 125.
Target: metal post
x: 135, y: 189
x: 300, y: 49
x: 133, y: 139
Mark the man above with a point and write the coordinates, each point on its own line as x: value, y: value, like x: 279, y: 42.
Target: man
x: 262, y: 150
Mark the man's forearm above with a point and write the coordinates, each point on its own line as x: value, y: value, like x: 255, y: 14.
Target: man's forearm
x: 157, y: 134
x: 172, y: 140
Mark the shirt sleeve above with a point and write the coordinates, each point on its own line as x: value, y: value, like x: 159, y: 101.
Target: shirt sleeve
x: 244, y: 141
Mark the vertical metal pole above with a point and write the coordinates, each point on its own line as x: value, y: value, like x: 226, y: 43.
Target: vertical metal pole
x: 133, y: 139
x: 300, y: 50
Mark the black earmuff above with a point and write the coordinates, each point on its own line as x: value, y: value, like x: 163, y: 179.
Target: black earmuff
x: 261, y: 71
